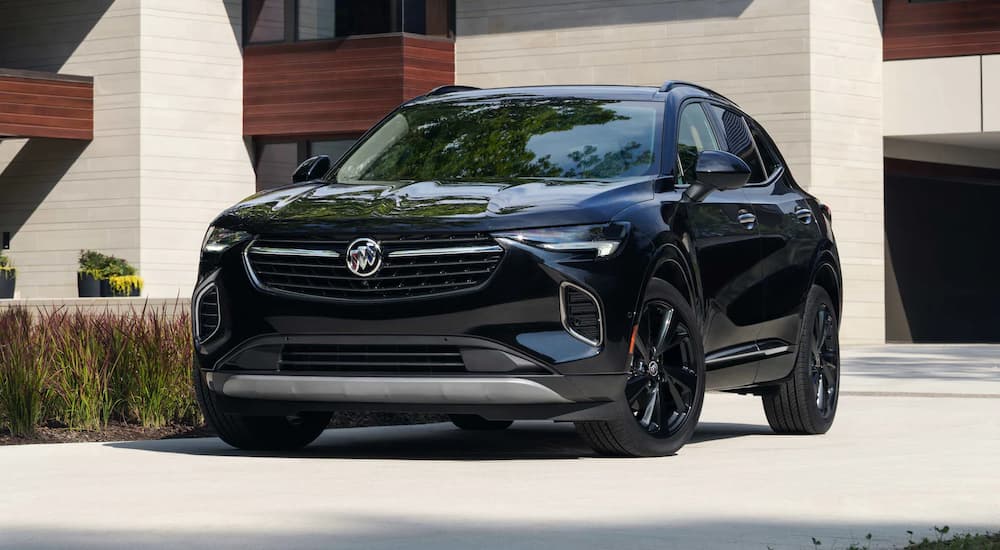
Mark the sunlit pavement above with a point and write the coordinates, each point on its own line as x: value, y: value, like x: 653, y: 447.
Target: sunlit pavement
x: 916, y: 444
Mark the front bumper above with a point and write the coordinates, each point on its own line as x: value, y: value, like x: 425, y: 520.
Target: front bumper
x: 416, y: 390
x: 516, y: 349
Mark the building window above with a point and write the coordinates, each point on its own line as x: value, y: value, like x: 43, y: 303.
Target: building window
x: 331, y: 148
x: 316, y: 19
x: 265, y: 21
x: 300, y: 20
x: 274, y: 162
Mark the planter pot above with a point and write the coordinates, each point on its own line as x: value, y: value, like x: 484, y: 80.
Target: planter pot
x: 7, y: 287
x: 87, y: 286
x: 108, y: 292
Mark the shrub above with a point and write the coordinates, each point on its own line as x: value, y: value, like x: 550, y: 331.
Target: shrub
x: 102, y: 266
x: 6, y: 267
x: 92, y: 263
x: 23, y: 357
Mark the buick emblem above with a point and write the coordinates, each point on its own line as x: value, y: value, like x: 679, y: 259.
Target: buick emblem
x: 364, y: 257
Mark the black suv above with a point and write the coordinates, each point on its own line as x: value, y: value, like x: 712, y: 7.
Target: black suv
x: 595, y: 254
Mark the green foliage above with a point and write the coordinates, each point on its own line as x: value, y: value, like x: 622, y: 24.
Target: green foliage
x: 85, y: 370
x: 84, y: 361
x: 988, y: 541
x: 102, y: 266
x: 6, y: 267
x: 159, y: 392
x: 23, y: 356
x: 492, y: 140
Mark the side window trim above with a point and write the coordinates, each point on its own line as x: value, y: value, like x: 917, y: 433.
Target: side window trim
x: 779, y: 166
x: 756, y: 149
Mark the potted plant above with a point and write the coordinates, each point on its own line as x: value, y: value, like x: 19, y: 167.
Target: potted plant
x: 106, y: 276
x: 119, y: 279
x: 8, y: 276
x: 90, y: 273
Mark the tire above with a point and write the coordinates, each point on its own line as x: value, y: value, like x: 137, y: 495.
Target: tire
x: 796, y: 406
x: 678, y: 382
x: 476, y: 422
x: 257, y: 433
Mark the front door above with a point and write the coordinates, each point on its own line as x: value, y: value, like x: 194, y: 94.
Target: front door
x: 724, y: 238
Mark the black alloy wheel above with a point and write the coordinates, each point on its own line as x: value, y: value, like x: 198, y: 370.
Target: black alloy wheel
x: 664, y: 386
x: 806, y: 401
x: 661, y: 387
x: 824, y: 362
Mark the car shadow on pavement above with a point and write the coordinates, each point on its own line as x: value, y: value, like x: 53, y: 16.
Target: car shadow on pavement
x: 523, y: 441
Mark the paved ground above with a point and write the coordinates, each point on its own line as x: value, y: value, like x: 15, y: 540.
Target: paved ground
x: 893, y: 462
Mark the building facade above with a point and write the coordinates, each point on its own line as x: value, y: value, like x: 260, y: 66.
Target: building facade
x: 127, y: 125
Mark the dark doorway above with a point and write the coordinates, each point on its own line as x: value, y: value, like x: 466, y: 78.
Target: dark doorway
x: 942, y: 256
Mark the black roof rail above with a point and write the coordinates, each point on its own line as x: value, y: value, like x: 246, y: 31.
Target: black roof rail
x: 671, y: 84
x: 448, y: 89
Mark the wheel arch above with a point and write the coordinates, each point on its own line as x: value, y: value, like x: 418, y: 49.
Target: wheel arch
x: 671, y: 264
x: 826, y: 274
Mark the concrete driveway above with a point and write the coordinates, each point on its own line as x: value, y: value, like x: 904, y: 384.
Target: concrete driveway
x: 916, y: 444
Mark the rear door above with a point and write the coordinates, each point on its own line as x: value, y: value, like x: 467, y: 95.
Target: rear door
x: 724, y: 238
x: 789, y: 238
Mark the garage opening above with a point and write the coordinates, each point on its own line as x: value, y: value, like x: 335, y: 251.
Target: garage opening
x: 942, y: 254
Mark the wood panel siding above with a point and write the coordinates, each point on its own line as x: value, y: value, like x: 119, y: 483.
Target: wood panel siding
x: 338, y: 87
x: 427, y: 64
x: 37, y: 104
x: 914, y: 30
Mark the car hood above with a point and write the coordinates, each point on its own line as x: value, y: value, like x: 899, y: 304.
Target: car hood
x: 406, y: 206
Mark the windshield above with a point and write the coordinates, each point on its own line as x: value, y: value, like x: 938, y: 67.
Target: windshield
x: 494, y: 139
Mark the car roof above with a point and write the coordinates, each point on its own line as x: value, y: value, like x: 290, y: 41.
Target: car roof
x: 645, y: 93
x: 588, y: 91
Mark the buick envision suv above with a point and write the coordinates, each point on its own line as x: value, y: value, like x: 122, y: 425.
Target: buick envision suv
x: 601, y: 255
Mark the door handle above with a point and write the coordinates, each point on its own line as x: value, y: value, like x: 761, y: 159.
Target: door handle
x: 804, y: 215
x: 748, y: 219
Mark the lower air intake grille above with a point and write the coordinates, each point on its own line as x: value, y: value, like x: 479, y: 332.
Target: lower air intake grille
x: 581, y: 314
x: 371, y: 359
x: 208, y: 313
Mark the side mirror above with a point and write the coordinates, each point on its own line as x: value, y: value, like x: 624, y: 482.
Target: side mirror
x: 718, y: 171
x: 312, y: 168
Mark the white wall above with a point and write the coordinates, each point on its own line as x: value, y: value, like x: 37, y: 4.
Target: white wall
x: 933, y: 96
x: 168, y: 152
x: 193, y: 160
x: 809, y: 70
x: 754, y: 51
x: 845, y: 153
x: 62, y: 196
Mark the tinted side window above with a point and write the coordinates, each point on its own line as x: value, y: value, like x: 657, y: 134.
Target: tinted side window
x: 739, y: 141
x: 765, y: 145
x: 694, y: 135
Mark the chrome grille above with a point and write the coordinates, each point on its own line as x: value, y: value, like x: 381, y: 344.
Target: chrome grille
x: 412, y: 266
x: 372, y: 359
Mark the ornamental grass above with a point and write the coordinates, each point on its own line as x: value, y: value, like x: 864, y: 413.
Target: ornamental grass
x: 86, y: 370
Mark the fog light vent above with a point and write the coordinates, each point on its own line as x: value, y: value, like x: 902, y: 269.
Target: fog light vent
x: 207, y: 313
x: 581, y: 314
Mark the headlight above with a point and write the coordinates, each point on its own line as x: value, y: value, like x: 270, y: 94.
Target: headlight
x: 603, y: 240
x: 220, y: 239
